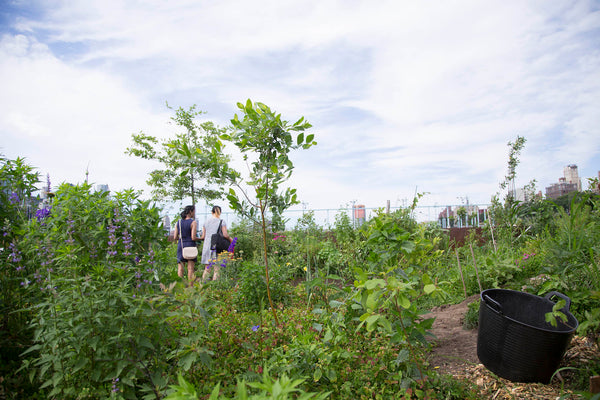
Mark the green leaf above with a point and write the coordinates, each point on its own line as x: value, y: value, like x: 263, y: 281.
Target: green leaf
x: 300, y: 139
x: 551, y: 319
x: 371, y: 321
x: 373, y: 283
x: 403, y: 356
x: 309, y: 138
x: 403, y: 301
x: 317, y: 375
x: 428, y: 289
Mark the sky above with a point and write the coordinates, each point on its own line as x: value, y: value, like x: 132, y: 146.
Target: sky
x: 404, y: 97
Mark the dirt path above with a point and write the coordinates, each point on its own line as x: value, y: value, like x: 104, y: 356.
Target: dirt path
x: 455, y: 348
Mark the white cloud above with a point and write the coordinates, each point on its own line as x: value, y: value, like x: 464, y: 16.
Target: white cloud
x: 64, y: 119
x: 401, y: 94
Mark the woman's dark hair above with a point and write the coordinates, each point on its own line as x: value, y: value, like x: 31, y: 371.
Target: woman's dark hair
x: 215, y: 208
x: 186, y: 211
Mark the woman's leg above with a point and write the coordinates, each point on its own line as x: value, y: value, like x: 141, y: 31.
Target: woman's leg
x: 180, y: 269
x: 191, y: 275
x: 217, y: 268
x: 206, y: 272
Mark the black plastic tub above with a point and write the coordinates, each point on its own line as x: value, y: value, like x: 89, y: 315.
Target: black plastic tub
x: 515, y: 341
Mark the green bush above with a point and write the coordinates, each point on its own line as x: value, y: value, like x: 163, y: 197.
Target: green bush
x: 471, y: 320
x: 251, y: 294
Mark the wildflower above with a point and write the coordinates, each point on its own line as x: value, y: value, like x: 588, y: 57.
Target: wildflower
x: 115, y: 389
x: 47, y: 255
x: 70, y: 230
x: 42, y: 213
x: 151, y: 260
x: 112, y: 239
x: 255, y: 328
x: 232, y: 245
x: 15, y: 254
x: 305, y: 269
x: 6, y: 227
x: 13, y: 198
x: 93, y: 251
x: 127, y: 242
x: 210, y: 264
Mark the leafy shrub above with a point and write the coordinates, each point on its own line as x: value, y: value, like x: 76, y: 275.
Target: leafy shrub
x: 471, y: 320
x: 249, y: 243
x: 281, y: 388
x: 93, y: 332
x: 17, y: 184
x: 251, y: 294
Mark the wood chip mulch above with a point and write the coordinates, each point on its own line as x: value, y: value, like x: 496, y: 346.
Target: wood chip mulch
x: 580, y: 352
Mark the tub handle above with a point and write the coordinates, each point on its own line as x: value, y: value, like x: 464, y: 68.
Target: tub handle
x: 493, y: 303
x: 562, y: 296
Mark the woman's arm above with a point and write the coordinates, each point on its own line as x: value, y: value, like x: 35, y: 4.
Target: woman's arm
x: 203, y: 233
x: 176, y: 232
x: 195, y: 231
x: 225, y: 234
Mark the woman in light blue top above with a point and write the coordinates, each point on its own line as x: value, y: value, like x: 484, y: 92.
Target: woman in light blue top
x: 210, y: 227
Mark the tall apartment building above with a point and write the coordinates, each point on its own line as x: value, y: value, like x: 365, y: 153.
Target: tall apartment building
x: 570, y: 182
x: 572, y: 176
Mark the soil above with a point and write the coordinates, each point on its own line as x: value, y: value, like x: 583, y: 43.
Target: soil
x: 454, y: 347
x: 455, y: 353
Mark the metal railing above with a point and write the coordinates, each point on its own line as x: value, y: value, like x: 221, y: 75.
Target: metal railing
x: 325, y: 217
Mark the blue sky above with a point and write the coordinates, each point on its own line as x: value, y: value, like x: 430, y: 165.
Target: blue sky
x: 403, y: 96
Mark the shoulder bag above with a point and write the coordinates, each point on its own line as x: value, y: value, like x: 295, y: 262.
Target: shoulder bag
x: 219, y: 242
x: 190, y: 252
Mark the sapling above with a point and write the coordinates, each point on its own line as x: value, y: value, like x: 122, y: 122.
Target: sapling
x: 265, y: 140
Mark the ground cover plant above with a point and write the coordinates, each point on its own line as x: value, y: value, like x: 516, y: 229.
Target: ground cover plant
x: 93, y: 308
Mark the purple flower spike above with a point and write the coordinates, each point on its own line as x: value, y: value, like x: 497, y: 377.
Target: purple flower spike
x: 13, y: 198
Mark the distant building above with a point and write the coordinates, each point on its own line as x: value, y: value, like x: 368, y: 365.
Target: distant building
x: 561, y: 188
x: 570, y: 182
x: 521, y: 195
x: 166, y: 221
x: 524, y: 195
x: 596, y: 187
x: 474, y: 216
x: 102, y: 188
x: 572, y: 176
x: 359, y: 214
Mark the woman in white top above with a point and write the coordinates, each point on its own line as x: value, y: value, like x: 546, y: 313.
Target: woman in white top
x: 209, y: 255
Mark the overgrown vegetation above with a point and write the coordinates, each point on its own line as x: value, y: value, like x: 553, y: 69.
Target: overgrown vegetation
x: 93, y: 308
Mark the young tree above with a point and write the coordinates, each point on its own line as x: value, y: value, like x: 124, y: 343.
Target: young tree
x: 513, y: 162
x: 194, y: 164
x: 265, y: 140
x: 506, y: 216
